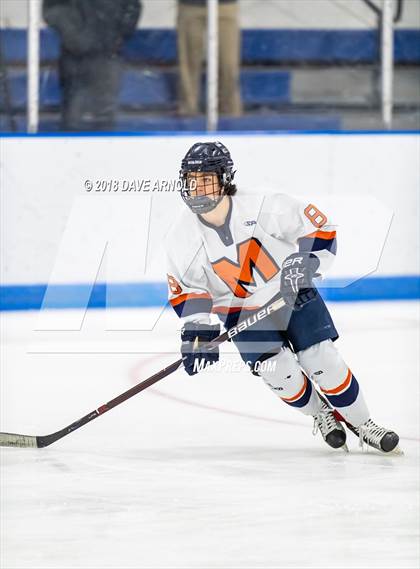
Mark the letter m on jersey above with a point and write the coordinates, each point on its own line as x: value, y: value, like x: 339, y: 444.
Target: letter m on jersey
x: 252, y: 256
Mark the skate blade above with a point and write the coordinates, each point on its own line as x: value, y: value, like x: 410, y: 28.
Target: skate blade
x: 397, y: 451
x: 345, y: 448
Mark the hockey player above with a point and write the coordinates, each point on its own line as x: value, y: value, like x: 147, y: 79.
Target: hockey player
x: 231, y: 255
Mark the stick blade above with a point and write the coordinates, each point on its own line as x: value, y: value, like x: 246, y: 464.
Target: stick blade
x: 19, y: 441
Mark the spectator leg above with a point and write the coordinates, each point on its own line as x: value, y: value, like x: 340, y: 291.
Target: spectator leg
x: 104, y: 76
x: 229, y: 60
x: 191, y: 35
x: 74, y: 92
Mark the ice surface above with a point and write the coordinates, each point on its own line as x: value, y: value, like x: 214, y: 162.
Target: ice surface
x: 203, y: 472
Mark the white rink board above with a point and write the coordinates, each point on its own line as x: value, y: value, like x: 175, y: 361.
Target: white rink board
x: 363, y: 181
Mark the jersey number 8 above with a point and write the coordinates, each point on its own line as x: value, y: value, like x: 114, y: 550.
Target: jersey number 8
x: 174, y: 285
x: 315, y: 216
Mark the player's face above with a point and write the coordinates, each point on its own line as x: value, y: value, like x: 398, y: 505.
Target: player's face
x: 203, y: 184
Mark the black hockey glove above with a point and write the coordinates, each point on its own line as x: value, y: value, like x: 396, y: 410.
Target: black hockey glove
x: 296, y: 284
x: 194, y: 336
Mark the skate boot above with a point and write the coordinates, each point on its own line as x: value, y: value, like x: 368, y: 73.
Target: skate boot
x: 373, y: 435
x: 331, y: 430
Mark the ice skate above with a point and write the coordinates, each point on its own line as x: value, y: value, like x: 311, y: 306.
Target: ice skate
x: 371, y: 434
x: 331, y: 430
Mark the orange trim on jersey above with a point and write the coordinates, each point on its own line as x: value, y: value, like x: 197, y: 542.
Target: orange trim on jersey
x: 298, y: 395
x: 341, y: 387
x: 191, y: 296
x: 228, y: 310
x: 321, y: 235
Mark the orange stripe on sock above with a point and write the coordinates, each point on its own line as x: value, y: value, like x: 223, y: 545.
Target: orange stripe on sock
x: 298, y: 395
x: 341, y: 387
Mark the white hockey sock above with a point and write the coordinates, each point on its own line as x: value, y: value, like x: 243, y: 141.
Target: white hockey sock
x: 323, y: 364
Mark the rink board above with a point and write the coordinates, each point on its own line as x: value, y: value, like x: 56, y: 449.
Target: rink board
x: 145, y: 295
x: 57, y: 230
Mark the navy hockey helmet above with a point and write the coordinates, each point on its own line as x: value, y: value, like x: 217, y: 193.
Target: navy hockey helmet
x: 212, y: 157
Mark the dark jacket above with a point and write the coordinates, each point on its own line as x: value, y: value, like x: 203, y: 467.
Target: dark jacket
x: 92, y: 27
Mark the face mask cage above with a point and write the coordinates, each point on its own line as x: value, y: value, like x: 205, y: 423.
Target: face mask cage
x: 200, y: 194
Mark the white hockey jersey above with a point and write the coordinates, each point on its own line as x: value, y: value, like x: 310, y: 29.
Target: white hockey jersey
x: 237, y: 266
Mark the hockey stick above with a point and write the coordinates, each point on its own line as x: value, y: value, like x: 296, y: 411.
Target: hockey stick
x: 29, y: 441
